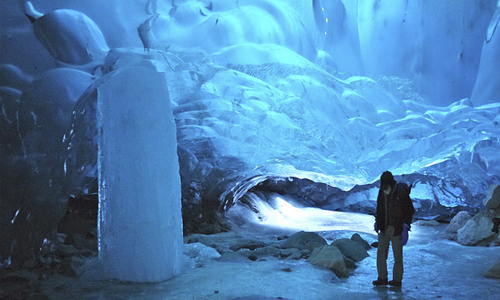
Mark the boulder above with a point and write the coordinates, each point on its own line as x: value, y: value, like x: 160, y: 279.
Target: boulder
x: 358, y: 239
x: 71, y: 266
x: 288, y: 252
x: 267, y: 251
x: 246, y: 244
x: 330, y: 257
x: 349, y: 263
x: 456, y: 223
x: 81, y: 215
x: 495, y: 242
x: 494, y: 271
x: 304, y: 240
x: 427, y: 223
x: 492, y: 200
x: 65, y: 251
x: 84, y: 242
x: 350, y: 249
x: 296, y: 255
x: 476, y: 229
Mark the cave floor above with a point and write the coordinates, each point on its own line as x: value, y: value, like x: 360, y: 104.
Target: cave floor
x: 435, y: 268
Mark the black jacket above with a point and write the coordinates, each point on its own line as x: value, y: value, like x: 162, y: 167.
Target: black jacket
x: 397, y: 210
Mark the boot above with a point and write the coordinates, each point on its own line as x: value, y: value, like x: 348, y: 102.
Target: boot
x: 380, y: 282
x: 395, y: 283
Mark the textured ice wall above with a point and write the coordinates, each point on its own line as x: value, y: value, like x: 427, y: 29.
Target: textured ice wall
x: 437, y: 44
x: 140, y: 226
x: 230, y: 123
x: 487, y: 86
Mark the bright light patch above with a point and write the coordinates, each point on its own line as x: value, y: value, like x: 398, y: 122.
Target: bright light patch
x: 435, y: 162
x: 278, y: 212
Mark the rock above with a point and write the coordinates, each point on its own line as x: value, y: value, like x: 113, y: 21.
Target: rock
x: 246, y: 244
x: 70, y: 266
x: 496, y: 242
x: 252, y: 257
x: 349, y: 263
x: 492, y: 200
x: 66, y: 251
x: 19, y: 276
x: 287, y: 252
x: 330, y: 257
x: 87, y: 253
x: 476, y: 229
x: 304, y: 240
x: 351, y: 249
x: 495, y: 211
x: 306, y: 253
x: 456, y: 223
x: 496, y: 224
x: 296, y: 255
x: 427, y: 223
x: 81, y: 215
x: 84, y: 242
x: 494, y: 271
x: 488, y: 242
x: 358, y: 239
x: 268, y: 250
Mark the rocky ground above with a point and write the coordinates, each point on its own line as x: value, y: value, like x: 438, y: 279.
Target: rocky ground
x: 259, y: 263
x: 256, y: 261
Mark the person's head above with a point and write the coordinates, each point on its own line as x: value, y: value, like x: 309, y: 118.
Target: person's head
x: 387, y: 182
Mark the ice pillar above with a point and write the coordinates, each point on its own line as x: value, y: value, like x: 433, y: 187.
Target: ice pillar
x: 140, y: 223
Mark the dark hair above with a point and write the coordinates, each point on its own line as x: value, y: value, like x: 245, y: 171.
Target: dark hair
x: 386, y: 180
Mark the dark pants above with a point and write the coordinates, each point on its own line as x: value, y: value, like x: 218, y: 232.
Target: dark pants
x: 384, y: 239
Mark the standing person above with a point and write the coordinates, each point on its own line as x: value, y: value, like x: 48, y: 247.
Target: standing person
x: 394, y: 213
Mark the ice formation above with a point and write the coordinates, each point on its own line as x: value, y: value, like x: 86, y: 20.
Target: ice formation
x: 259, y: 89
x: 487, y: 85
x: 140, y: 226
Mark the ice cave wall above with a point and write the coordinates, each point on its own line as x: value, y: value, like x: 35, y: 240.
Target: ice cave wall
x: 258, y: 91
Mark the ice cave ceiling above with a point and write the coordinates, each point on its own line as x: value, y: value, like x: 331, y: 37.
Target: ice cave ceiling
x: 328, y: 92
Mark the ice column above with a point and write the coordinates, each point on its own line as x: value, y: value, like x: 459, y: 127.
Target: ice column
x: 140, y: 223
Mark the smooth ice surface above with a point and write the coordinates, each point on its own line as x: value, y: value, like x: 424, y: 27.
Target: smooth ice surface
x: 140, y: 227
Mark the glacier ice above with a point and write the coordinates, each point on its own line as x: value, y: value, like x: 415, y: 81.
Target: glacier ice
x: 438, y: 51
x: 486, y: 86
x: 70, y: 36
x: 258, y: 92
x: 140, y: 226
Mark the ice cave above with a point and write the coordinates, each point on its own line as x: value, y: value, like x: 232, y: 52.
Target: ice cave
x: 176, y: 149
